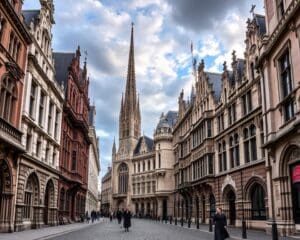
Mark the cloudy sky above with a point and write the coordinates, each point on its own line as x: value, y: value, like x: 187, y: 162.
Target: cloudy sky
x: 164, y: 30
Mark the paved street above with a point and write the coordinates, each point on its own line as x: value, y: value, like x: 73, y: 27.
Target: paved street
x: 141, y: 230
x: 149, y: 230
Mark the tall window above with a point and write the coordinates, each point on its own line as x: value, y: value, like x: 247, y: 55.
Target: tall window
x: 209, y: 129
x: 252, y: 71
x: 14, y: 46
x: 286, y: 85
x: 232, y: 114
x: 258, y: 202
x: 2, y: 26
x: 41, y: 108
x: 50, y: 117
x: 38, y: 147
x: 8, y: 97
x: 32, y: 99
x: 159, y: 160
x: 234, y: 151
x: 247, y: 103
x: 123, y: 178
x: 221, y: 122
x: 74, y: 160
x: 222, y: 157
x: 250, y: 147
x: 148, y: 165
x: 28, y: 141
x: 280, y: 9
x: 56, y: 124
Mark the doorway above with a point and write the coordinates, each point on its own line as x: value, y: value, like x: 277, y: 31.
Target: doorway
x: 165, y: 209
x: 203, y: 210
x: 295, y: 187
x: 232, y: 210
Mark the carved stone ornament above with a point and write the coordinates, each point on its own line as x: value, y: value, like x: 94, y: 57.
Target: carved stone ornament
x: 228, y: 181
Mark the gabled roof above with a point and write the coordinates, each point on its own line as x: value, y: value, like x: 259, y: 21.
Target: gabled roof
x: 216, y: 80
x: 30, y: 16
x: 149, y: 143
x: 62, y: 61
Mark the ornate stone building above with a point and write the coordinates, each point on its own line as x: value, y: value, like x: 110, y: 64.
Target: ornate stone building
x: 14, y: 41
x: 218, y: 139
x: 279, y: 64
x: 41, y: 123
x: 75, y: 139
x: 142, y: 167
x: 94, y: 165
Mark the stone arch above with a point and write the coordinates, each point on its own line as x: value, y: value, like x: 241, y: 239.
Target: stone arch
x: 250, y: 183
x: 289, y: 160
x: 49, y: 202
x: 123, y: 177
x: 226, y: 190
x: 5, y: 177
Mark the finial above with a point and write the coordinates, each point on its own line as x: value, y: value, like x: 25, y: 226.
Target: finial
x: 201, y: 65
x: 85, y: 58
x: 233, y: 56
x: 224, y: 66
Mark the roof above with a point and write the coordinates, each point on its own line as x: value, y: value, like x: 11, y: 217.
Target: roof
x: 216, y: 80
x: 30, y: 15
x: 261, y: 24
x: 149, y: 143
x: 62, y: 61
x: 168, y: 120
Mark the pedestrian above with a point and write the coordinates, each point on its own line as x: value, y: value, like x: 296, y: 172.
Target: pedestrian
x: 119, y: 216
x: 127, y: 220
x: 111, y: 216
x: 220, y: 223
x: 87, y: 217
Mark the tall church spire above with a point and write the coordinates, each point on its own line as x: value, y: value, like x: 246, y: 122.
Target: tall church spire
x: 130, y: 120
x: 130, y: 93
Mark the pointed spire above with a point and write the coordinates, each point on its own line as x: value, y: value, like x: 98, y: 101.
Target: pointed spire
x: 130, y: 94
x: 114, y: 147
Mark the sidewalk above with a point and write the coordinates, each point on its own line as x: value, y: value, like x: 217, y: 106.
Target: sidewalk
x: 44, y: 233
x: 234, y: 232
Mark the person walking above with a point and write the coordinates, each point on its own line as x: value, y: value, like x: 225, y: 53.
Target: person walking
x: 127, y: 220
x: 119, y: 216
x: 220, y: 223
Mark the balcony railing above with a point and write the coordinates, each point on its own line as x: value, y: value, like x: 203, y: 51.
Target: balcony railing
x: 10, y: 130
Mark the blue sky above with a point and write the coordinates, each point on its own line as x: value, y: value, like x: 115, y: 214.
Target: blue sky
x: 164, y: 30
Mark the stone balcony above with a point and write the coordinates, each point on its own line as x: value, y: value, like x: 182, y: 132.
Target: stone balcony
x: 10, y: 135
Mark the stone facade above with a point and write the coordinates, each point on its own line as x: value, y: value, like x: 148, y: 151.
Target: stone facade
x: 106, y: 194
x: 36, y: 203
x: 75, y: 140
x: 218, y: 140
x: 94, y: 166
x: 279, y: 64
x: 14, y: 41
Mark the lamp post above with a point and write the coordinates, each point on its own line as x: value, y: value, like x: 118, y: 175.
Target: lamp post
x: 244, y: 229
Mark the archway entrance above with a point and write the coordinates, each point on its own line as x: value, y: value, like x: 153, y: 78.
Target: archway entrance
x: 48, y: 202
x: 165, y: 209
x: 295, y: 187
x: 232, y: 210
x: 212, y: 205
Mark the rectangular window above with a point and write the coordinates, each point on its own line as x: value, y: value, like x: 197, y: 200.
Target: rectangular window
x: 54, y: 157
x: 28, y: 142
x: 27, y: 204
x: 285, y: 74
x: 38, y: 148
x: 2, y: 26
x: 289, y: 110
x: 244, y: 104
x: 47, y: 153
x: 249, y: 101
x: 41, y: 108
x: 56, y: 124
x: 280, y: 9
x: 50, y: 117
x: 210, y: 164
x: 73, y: 167
x: 32, y: 99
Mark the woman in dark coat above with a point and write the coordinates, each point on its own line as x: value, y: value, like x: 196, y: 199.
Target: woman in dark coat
x: 220, y: 223
x: 127, y: 220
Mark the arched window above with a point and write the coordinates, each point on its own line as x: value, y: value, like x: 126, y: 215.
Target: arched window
x: 8, y: 97
x: 123, y: 178
x: 258, y: 202
x: 246, y: 145
x: 31, y: 196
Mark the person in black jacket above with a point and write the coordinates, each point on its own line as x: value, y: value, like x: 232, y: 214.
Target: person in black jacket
x: 127, y: 220
x: 119, y: 216
x: 220, y: 223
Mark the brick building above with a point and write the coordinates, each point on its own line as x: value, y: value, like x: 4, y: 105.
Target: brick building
x: 75, y: 137
x: 14, y: 41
